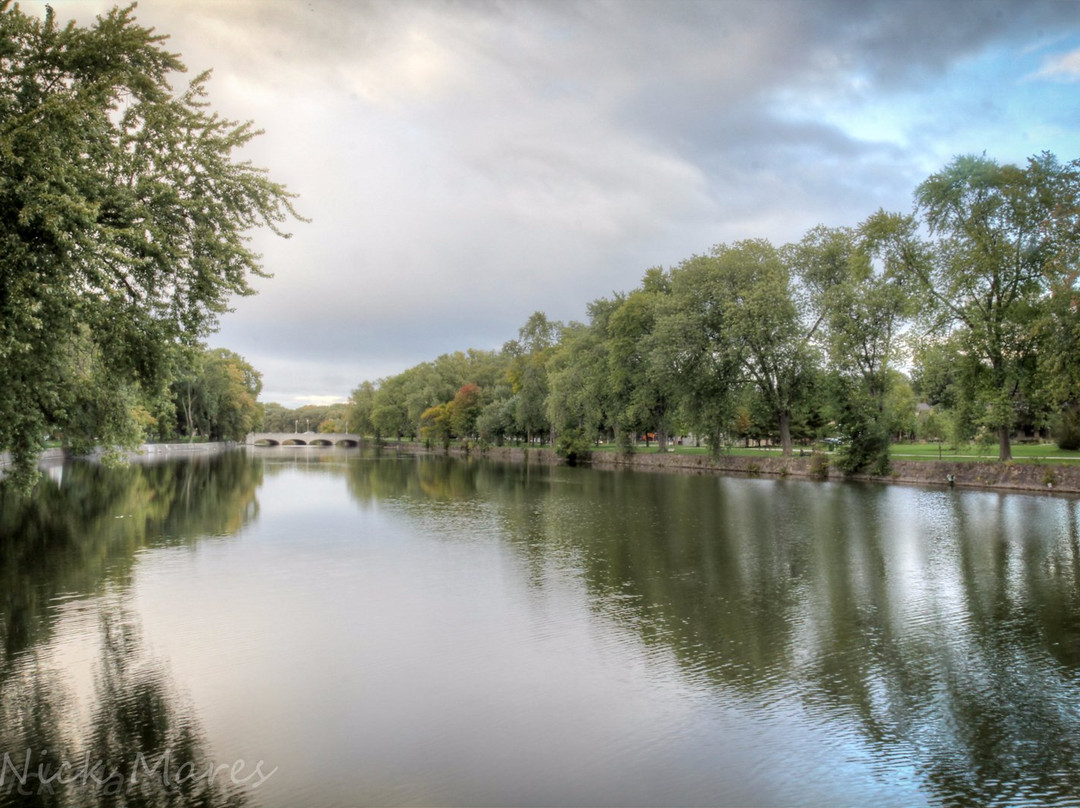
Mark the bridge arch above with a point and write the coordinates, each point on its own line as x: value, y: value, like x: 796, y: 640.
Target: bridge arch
x: 331, y: 439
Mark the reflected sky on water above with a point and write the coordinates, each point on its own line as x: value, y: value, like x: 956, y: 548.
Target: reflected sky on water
x: 400, y: 630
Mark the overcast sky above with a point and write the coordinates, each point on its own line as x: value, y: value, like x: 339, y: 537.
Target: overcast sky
x: 467, y: 163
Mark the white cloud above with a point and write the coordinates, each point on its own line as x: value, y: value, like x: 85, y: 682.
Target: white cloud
x: 1063, y: 67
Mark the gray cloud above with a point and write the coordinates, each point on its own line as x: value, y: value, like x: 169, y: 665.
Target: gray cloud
x: 467, y: 163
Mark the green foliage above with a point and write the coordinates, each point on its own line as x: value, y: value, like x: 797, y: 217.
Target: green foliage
x: 574, y: 447
x: 641, y: 366
x: 435, y: 425
x: 866, y: 438
x: 1003, y: 236
x: 819, y: 467
x: 579, y: 398
x: 361, y: 408
x: 752, y: 342
x: 1067, y: 428
x: 763, y: 329
x: 123, y: 222
x: 216, y: 395
x: 465, y: 409
x: 496, y: 420
x: 527, y: 373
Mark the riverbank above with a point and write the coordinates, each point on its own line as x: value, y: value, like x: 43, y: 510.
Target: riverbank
x: 989, y: 475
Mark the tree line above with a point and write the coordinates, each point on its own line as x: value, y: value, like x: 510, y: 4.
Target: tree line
x: 967, y: 306
x: 124, y: 222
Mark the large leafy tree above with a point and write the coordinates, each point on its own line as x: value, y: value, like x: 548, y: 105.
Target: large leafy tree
x: 527, y: 372
x: 642, y: 365
x: 1000, y: 232
x: 853, y: 283
x: 123, y: 220
x: 580, y: 400
x: 361, y: 407
x: 764, y: 328
x: 216, y: 396
x: 691, y: 336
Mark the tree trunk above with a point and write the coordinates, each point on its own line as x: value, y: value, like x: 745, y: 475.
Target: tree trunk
x: 785, y: 433
x: 1004, y: 446
x: 661, y: 439
x: 189, y: 405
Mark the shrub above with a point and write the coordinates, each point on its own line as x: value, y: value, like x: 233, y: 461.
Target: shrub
x: 1067, y: 429
x: 574, y: 448
x: 819, y: 467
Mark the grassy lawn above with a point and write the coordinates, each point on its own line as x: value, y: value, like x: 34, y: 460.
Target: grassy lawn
x: 970, y: 453
x: 1022, y: 453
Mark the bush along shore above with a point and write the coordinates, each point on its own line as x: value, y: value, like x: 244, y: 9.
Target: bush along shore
x: 817, y: 466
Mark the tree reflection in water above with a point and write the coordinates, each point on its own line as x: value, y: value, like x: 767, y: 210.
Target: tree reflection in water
x: 74, y: 540
x: 80, y: 533
x: 940, y: 629
x: 143, y: 745
x: 946, y: 624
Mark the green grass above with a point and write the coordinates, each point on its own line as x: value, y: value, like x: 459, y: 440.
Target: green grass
x: 1046, y: 453
x: 971, y: 453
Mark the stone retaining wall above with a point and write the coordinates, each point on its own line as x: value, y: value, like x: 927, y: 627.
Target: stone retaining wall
x: 1007, y: 476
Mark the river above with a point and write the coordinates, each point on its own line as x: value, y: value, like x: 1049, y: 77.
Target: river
x: 328, y: 627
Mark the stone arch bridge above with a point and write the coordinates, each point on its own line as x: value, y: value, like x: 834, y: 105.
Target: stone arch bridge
x: 302, y: 439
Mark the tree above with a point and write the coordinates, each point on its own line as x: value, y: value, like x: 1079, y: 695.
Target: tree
x: 578, y: 401
x: 1000, y: 234
x: 123, y: 220
x: 763, y: 328
x: 465, y: 409
x: 216, y: 396
x: 1059, y: 327
x: 640, y: 368
x: 527, y: 372
x: 435, y: 424
x: 853, y: 281
x: 277, y: 418
x: 389, y: 415
x: 691, y: 343
x: 361, y: 407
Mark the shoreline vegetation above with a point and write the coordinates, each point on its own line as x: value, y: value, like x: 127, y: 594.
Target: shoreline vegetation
x: 989, y: 475
x: 1059, y: 475
x: 956, y: 324
x: 1036, y: 474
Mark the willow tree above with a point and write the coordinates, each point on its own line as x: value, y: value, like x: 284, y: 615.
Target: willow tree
x: 124, y: 217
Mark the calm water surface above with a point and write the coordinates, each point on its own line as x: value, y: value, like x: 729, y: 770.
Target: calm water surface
x: 306, y: 627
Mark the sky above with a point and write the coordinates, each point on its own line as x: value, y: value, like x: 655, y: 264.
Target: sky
x: 464, y: 164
